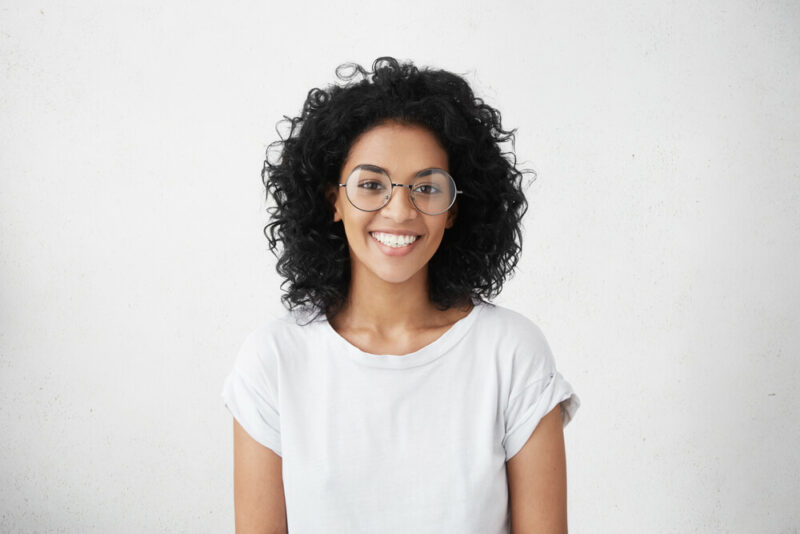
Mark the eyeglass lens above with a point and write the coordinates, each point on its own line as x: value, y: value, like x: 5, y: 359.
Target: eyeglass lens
x: 432, y: 192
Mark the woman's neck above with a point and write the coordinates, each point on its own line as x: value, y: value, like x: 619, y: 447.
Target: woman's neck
x: 391, y: 309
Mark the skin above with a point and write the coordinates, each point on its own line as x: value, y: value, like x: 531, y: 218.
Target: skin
x: 388, y: 310
x: 258, y: 496
x: 537, y: 480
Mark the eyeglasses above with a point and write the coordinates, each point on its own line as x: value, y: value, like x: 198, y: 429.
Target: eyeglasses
x: 369, y: 188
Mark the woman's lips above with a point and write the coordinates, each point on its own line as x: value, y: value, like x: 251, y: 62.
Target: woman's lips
x: 395, y: 251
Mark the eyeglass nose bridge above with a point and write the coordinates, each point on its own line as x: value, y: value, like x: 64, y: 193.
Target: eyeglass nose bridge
x: 388, y: 197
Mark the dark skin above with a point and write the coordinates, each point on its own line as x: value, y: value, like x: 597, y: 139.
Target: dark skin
x: 537, y: 480
x: 388, y: 310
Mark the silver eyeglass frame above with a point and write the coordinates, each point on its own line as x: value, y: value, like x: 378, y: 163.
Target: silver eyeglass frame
x: 375, y: 168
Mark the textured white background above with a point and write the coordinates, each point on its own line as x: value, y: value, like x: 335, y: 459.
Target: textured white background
x: 661, y: 256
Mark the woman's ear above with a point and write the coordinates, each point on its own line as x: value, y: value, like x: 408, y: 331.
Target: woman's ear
x: 451, y: 215
x: 332, y: 195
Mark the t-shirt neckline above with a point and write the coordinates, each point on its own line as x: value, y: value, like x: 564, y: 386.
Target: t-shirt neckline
x: 422, y: 356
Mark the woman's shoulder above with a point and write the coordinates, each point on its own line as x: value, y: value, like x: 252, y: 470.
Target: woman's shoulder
x: 507, y: 322
x: 285, y: 326
x: 285, y: 335
x: 517, y: 340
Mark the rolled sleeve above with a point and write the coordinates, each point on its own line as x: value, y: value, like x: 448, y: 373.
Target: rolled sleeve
x: 249, y: 397
x: 528, y: 407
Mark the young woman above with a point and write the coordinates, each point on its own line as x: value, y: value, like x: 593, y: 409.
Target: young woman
x: 393, y: 397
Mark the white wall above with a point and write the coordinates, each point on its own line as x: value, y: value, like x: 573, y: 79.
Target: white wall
x: 660, y: 259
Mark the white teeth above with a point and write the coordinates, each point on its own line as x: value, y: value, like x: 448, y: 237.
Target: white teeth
x: 393, y: 240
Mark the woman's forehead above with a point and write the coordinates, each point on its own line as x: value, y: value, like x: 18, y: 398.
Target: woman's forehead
x: 397, y: 148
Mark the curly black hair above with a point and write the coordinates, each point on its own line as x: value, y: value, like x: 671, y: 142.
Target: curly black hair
x: 475, y: 256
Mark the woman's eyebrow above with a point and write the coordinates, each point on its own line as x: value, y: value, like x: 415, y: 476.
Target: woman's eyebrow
x: 377, y: 168
x: 370, y: 167
x: 429, y: 171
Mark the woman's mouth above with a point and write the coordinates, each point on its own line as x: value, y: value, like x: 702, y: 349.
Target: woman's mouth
x: 393, y: 244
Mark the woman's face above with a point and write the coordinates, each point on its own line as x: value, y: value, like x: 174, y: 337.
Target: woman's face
x: 402, y: 151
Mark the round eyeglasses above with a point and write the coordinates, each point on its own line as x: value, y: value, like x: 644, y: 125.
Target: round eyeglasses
x: 369, y: 188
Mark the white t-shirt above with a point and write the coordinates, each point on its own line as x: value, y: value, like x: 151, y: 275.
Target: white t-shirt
x: 413, y: 443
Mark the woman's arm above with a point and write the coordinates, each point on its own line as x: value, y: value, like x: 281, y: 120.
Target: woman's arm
x: 259, y: 502
x: 537, y: 480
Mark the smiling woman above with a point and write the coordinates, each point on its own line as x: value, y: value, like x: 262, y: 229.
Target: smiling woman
x: 392, y: 396
x: 402, y: 151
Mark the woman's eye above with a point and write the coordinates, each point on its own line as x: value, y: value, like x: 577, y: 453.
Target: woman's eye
x: 371, y: 185
x: 427, y: 189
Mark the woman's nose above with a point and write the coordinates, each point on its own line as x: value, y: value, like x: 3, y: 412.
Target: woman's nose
x: 400, y: 207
